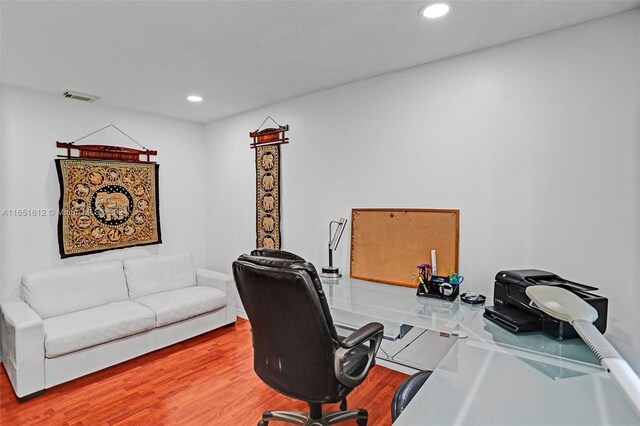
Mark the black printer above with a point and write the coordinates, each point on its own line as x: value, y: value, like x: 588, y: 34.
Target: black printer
x: 512, y: 309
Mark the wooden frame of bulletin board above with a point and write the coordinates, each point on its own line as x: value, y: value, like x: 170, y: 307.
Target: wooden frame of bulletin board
x: 387, y: 245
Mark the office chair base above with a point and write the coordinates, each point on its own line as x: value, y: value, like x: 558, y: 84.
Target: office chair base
x: 328, y: 418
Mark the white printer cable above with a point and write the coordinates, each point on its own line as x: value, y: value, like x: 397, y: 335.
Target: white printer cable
x: 566, y: 306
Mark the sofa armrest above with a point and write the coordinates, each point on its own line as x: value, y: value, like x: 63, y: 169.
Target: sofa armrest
x: 23, y: 347
x: 224, y: 282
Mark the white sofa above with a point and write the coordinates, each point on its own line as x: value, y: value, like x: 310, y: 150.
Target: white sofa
x: 74, y: 320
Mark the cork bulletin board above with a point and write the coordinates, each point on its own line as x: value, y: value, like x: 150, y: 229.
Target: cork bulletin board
x: 388, y: 244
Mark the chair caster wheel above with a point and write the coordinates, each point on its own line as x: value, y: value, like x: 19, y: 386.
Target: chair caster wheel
x: 363, y: 416
x: 263, y: 423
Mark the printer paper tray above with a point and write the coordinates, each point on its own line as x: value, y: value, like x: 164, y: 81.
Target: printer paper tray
x: 511, y: 319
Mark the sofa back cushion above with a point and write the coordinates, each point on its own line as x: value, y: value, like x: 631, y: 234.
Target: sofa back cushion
x: 66, y: 289
x: 153, y: 274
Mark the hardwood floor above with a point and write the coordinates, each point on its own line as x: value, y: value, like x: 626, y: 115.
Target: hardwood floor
x: 206, y: 380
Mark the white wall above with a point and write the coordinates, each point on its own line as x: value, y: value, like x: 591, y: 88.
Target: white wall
x: 535, y: 141
x: 31, y: 124
x: 2, y: 192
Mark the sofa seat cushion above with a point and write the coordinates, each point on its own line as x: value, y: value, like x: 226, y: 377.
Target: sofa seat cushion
x: 83, y: 329
x: 178, y: 305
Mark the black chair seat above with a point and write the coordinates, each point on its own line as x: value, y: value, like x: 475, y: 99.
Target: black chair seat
x: 406, y: 391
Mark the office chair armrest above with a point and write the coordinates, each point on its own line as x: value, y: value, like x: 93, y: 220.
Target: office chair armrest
x: 362, y: 334
x: 373, y: 333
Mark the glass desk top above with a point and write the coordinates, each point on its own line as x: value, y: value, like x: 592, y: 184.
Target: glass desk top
x: 358, y: 302
x: 480, y: 382
x: 484, y: 331
x: 492, y: 376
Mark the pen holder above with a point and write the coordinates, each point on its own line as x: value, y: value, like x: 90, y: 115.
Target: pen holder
x: 434, y: 289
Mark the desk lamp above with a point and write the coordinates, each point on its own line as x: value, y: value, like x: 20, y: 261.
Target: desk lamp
x: 331, y: 271
x: 566, y: 306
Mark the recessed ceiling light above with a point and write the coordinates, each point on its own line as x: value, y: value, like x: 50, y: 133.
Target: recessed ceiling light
x: 435, y: 10
x: 194, y: 98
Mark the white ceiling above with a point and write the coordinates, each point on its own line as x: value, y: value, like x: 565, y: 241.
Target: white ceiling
x: 240, y: 55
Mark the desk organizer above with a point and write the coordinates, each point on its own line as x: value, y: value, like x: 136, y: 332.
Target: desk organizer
x: 433, y: 287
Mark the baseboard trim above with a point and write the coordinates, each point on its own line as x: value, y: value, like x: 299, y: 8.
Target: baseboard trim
x: 31, y: 396
x: 396, y: 367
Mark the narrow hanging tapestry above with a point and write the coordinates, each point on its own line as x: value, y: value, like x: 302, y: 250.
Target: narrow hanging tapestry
x: 106, y: 205
x: 268, y: 200
x: 267, y: 145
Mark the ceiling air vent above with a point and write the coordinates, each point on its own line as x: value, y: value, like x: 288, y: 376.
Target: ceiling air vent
x: 80, y: 96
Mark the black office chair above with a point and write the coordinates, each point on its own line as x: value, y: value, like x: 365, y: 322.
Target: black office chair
x: 406, y: 391
x: 297, y: 350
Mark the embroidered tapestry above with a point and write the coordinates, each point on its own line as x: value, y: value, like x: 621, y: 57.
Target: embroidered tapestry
x: 106, y: 205
x: 268, y: 196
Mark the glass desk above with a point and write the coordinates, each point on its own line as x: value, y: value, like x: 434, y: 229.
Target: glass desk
x: 359, y: 302
x: 491, y: 377
x: 483, y: 380
x: 574, y: 351
x: 419, y: 331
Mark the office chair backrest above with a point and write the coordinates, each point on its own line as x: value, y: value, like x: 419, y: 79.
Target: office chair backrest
x: 303, y: 264
x: 293, y: 343
x: 279, y: 254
